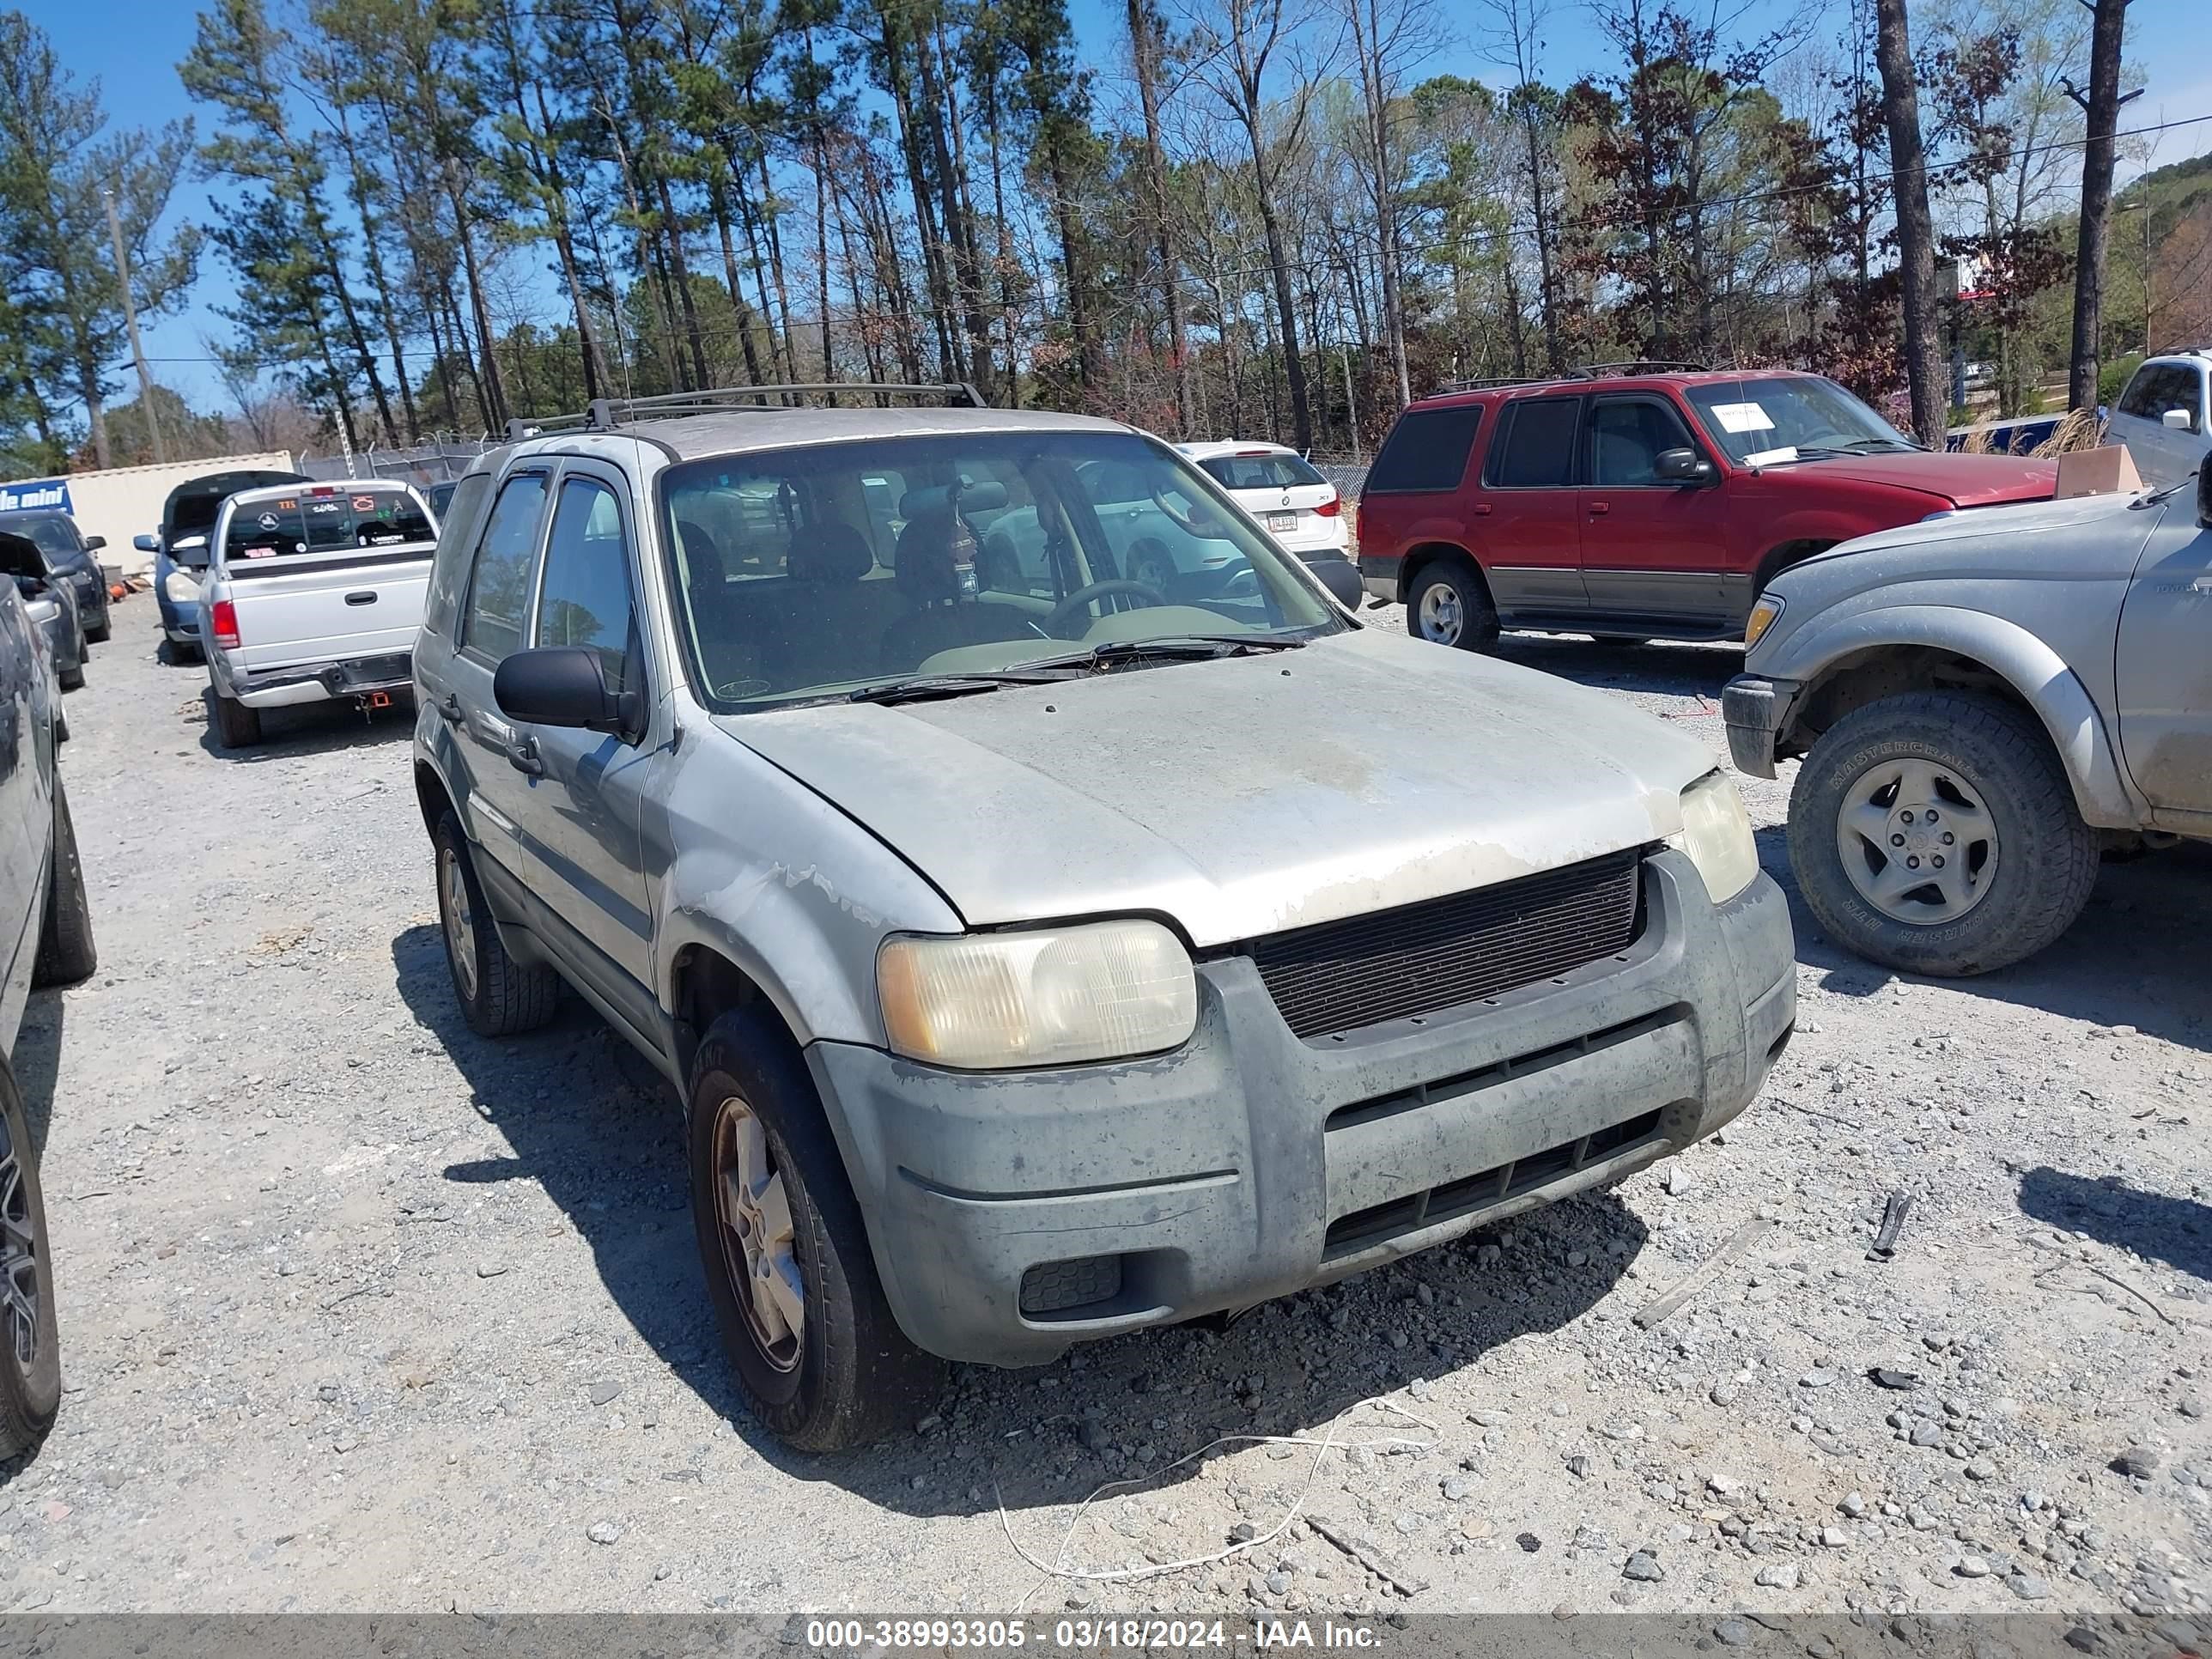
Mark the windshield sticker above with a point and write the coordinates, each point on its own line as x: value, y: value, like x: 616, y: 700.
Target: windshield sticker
x: 267, y: 521
x: 260, y: 552
x: 364, y: 503
x: 326, y: 507
x: 1771, y: 457
x: 1742, y: 417
x: 288, y: 507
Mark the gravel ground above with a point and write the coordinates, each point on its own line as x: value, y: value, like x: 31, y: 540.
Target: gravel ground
x: 362, y: 1312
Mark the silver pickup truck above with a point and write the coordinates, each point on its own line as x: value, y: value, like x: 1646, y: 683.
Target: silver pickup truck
x: 315, y: 592
x: 1984, y: 702
x: 1042, y: 956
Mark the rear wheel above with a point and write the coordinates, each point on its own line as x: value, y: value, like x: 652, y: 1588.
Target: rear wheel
x: 30, y: 1348
x: 238, y: 726
x: 1936, y: 832
x: 70, y: 679
x: 65, y: 948
x: 100, y: 632
x: 1450, y: 605
x: 499, y: 996
x: 821, y: 1359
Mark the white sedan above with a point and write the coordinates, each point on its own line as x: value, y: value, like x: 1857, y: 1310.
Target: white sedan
x: 1277, y: 486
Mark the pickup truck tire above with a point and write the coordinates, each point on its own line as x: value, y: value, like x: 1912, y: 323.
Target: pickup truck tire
x: 30, y: 1348
x: 236, y: 725
x: 767, y: 1181
x: 1994, y: 758
x: 1450, y: 605
x: 65, y: 948
x: 499, y: 996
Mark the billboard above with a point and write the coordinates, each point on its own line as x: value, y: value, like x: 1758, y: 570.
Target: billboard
x: 51, y: 493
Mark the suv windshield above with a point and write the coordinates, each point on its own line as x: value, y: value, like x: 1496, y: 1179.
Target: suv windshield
x: 815, y: 572
x: 1792, y: 418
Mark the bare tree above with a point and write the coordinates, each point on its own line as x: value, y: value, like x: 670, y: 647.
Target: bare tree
x: 1516, y: 40
x: 2102, y: 105
x: 1147, y: 46
x: 1388, y: 40
x: 1916, y: 230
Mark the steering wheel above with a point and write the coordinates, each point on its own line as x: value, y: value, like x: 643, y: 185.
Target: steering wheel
x: 1074, y: 602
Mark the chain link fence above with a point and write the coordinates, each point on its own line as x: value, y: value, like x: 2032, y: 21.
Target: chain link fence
x: 422, y: 464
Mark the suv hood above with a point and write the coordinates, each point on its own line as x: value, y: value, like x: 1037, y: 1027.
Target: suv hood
x: 1244, y: 796
x: 1962, y: 480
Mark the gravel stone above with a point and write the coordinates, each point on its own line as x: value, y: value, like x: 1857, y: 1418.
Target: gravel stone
x: 1644, y: 1568
x: 603, y: 1532
x: 1781, y: 1575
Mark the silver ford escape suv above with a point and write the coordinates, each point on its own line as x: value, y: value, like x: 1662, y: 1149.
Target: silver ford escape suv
x: 1055, y: 913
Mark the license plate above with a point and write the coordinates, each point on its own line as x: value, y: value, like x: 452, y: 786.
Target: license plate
x: 1282, y: 521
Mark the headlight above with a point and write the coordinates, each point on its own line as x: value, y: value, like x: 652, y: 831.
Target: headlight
x: 181, y: 588
x: 1046, y: 997
x: 1761, y: 618
x: 1715, y: 835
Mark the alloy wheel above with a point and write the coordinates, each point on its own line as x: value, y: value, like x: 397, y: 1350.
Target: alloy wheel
x: 19, y: 1255
x: 1442, y: 618
x: 1916, y: 841
x: 758, y: 1245
x: 459, y: 919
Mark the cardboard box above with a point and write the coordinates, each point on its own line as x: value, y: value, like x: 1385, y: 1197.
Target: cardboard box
x: 2107, y: 471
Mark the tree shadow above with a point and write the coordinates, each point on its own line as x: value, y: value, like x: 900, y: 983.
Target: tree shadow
x: 2175, y: 1230
x: 594, y: 1124
x: 315, y: 728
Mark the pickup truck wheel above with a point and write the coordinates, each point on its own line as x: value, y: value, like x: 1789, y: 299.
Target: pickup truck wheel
x: 499, y: 996
x: 1936, y: 832
x: 30, y: 1349
x: 65, y: 948
x: 1449, y: 605
x: 236, y: 725
x: 818, y: 1353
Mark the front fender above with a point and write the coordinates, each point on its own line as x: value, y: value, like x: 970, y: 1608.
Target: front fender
x: 2023, y: 660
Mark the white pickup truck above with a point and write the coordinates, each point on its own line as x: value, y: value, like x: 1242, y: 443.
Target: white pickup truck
x: 315, y: 592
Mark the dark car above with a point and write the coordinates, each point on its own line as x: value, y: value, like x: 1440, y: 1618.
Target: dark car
x: 71, y: 557
x: 52, y: 606
x: 45, y: 939
x: 180, y: 547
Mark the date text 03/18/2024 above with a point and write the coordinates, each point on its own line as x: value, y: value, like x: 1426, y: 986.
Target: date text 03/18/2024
x: 1088, y: 1635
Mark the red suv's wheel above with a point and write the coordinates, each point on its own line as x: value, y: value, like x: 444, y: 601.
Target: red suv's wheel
x: 1450, y: 605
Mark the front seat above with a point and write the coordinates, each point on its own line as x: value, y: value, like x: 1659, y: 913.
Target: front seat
x: 940, y: 616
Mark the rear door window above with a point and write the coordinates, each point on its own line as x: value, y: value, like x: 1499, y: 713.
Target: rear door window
x: 1535, y: 449
x: 498, y: 585
x: 1427, y: 450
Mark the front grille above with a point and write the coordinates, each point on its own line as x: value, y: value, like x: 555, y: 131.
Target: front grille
x: 1392, y: 964
x: 1485, y: 1189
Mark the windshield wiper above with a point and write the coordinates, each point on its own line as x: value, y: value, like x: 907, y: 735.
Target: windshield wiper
x: 1860, y: 446
x: 1187, y: 647
x: 922, y: 687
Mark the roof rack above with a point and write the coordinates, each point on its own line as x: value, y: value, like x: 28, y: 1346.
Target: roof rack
x: 1637, y: 366
x: 1492, y: 383
x: 607, y: 414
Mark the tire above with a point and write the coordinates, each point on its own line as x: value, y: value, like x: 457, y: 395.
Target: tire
x: 30, y: 1384
x: 1991, y: 759
x: 237, y: 725
x: 70, y: 679
x: 66, y: 953
x: 100, y: 634
x: 1450, y: 605
x: 499, y: 996
x: 848, y: 1375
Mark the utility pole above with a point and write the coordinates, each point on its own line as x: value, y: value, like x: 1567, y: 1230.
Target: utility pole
x: 130, y: 321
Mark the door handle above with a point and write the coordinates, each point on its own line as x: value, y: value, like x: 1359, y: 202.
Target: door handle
x: 522, y: 755
x: 1482, y: 509
x: 448, y: 707
x: 366, y: 596
x: 1599, y: 509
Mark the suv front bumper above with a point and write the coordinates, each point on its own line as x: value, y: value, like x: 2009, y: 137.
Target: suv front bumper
x: 1012, y: 1214
x: 1756, y: 711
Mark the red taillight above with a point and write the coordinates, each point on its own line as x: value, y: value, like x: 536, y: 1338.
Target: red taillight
x: 226, y: 624
x: 1331, y: 507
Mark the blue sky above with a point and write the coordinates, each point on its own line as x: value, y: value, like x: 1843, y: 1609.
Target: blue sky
x: 133, y: 47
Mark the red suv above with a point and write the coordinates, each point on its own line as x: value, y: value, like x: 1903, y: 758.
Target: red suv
x: 1640, y: 502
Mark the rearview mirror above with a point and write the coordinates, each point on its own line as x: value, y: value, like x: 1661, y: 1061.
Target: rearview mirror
x: 1683, y: 466
x: 147, y: 544
x: 563, y: 685
x: 2176, y: 420
x: 1341, y: 578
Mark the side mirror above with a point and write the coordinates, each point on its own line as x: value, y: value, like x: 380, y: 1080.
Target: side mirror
x: 29, y: 586
x: 2205, y: 495
x: 94, y: 544
x: 2176, y: 420
x: 1683, y: 466
x: 1341, y: 578
x: 563, y: 685
x: 147, y: 544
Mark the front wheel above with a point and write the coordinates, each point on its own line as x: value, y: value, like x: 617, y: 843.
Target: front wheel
x: 1450, y: 606
x: 1936, y: 832
x: 819, y: 1356
x: 30, y: 1348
